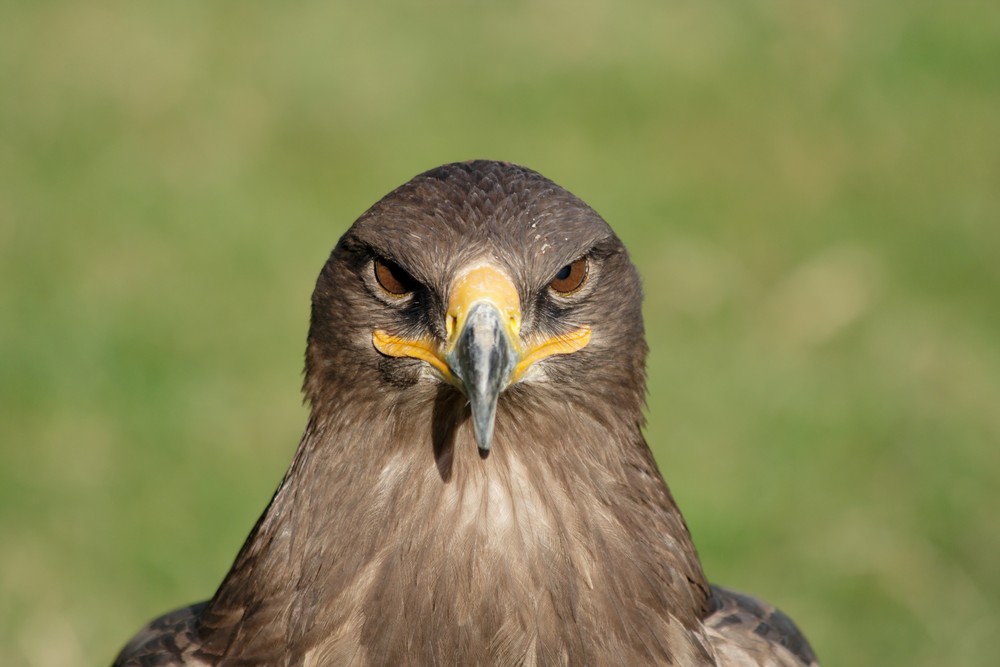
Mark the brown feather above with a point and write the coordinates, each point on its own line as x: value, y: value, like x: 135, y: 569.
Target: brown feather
x: 393, y: 540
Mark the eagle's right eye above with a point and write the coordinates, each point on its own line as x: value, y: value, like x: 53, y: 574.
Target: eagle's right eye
x: 393, y: 278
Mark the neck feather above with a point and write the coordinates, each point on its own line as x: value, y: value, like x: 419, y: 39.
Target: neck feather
x: 392, y: 537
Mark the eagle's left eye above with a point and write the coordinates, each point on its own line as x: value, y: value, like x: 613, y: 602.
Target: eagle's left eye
x: 571, y: 277
x: 393, y: 278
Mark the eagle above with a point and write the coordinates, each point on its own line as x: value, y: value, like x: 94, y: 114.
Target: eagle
x: 473, y: 486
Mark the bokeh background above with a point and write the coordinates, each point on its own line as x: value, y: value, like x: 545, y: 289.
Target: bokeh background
x: 810, y: 189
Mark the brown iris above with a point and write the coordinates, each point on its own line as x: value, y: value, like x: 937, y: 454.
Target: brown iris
x: 570, y: 277
x: 392, y: 278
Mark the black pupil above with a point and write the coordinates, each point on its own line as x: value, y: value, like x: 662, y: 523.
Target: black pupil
x: 564, y: 272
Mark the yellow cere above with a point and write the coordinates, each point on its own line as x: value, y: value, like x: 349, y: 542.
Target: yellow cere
x: 483, y: 283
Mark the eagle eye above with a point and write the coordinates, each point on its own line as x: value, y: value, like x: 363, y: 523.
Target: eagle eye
x: 571, y: 277
x: 393, y: 278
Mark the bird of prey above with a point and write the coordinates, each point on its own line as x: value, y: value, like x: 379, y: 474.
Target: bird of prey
x: 473, y: 486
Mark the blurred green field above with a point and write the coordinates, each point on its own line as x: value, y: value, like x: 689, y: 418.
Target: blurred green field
x: 811, y: 191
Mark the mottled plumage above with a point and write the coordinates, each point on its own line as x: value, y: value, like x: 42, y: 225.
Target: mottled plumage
x: 406, y: 530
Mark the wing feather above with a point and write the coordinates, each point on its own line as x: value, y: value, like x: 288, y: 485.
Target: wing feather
x: 746, y: 631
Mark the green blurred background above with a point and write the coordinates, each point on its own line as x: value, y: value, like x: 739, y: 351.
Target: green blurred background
x: 811, y: 191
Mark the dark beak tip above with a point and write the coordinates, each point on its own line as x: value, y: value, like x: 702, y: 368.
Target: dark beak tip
x: 483, y: 433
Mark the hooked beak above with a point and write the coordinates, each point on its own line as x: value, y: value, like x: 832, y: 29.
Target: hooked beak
x: 483, y: 359
x: 483, y: 353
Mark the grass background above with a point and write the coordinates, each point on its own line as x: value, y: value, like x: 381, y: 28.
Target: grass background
x: 811, y: 191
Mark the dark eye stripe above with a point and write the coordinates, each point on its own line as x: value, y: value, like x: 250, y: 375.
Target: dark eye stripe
x: 571, y: 277
x: 392, y: 278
